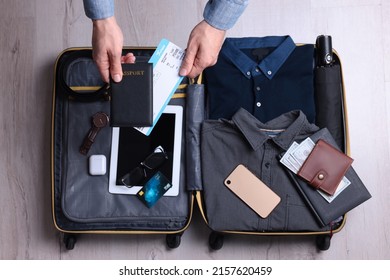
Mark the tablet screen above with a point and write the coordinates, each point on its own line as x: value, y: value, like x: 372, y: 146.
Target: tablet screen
x: 130, y: 147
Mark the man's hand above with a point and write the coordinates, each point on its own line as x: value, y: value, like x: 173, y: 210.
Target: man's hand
x: 107, y: 44
x: 203, y: 48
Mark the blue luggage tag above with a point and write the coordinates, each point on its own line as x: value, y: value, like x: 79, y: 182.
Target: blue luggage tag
x: 154, y: 189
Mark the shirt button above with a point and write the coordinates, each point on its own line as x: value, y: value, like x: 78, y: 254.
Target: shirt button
x: 269, y: 72
x: 258, y: 88
x: 267, y: 164
x: 258, y: 104
x: 248, y: 73
x: 257, y: 70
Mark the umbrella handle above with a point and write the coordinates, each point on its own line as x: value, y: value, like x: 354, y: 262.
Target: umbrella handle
x: 324, y: 51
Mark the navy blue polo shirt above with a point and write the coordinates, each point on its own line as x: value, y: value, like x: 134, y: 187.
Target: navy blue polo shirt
x: 266, y: 76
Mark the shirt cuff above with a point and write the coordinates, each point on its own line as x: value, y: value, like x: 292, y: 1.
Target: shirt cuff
x: 99, y: 9
x: 223, y: 14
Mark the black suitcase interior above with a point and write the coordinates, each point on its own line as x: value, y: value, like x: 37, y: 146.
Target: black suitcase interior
x: 82, y: 203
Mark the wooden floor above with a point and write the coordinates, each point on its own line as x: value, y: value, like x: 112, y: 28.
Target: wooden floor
x: 33, y: 33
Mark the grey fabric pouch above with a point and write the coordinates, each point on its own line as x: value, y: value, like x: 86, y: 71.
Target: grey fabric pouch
x: 194, y: 118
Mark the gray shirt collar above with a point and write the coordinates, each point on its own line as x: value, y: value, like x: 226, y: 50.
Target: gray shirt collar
x: 289, y: 124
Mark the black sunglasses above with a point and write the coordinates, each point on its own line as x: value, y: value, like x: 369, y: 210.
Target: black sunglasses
x: 151, y: 162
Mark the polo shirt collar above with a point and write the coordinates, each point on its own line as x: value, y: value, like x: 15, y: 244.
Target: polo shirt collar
x: 290, y: 124
x: 270, y: 65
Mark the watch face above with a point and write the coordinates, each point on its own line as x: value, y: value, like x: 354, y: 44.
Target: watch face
x: 100, y: 119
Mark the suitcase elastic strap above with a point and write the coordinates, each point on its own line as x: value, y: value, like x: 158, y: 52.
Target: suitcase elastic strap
x: 100, y: 93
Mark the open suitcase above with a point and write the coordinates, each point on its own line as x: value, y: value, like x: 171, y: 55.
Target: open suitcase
x: 233, y: 142
x: 81, y: 201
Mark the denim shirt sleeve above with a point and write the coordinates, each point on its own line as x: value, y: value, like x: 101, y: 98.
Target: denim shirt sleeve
x: 99, y: 9
x: 223, y: 14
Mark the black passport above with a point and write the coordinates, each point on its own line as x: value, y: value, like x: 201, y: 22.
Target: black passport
x: 132, y: 98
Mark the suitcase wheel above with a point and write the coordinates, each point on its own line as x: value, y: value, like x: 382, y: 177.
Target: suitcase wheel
x: 173, y: 240
x: 323, y: 242
x: 69, y: 241
x: 215, y: 240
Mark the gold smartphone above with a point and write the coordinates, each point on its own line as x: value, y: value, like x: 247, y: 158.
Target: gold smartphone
x: 251, y: 190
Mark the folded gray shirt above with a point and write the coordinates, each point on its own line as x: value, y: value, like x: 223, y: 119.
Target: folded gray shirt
x: 245, y: 140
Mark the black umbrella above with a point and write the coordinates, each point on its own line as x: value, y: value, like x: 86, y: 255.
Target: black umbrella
x: 329, y: 91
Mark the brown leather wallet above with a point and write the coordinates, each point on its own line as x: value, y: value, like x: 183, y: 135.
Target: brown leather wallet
x: 325, y: 167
